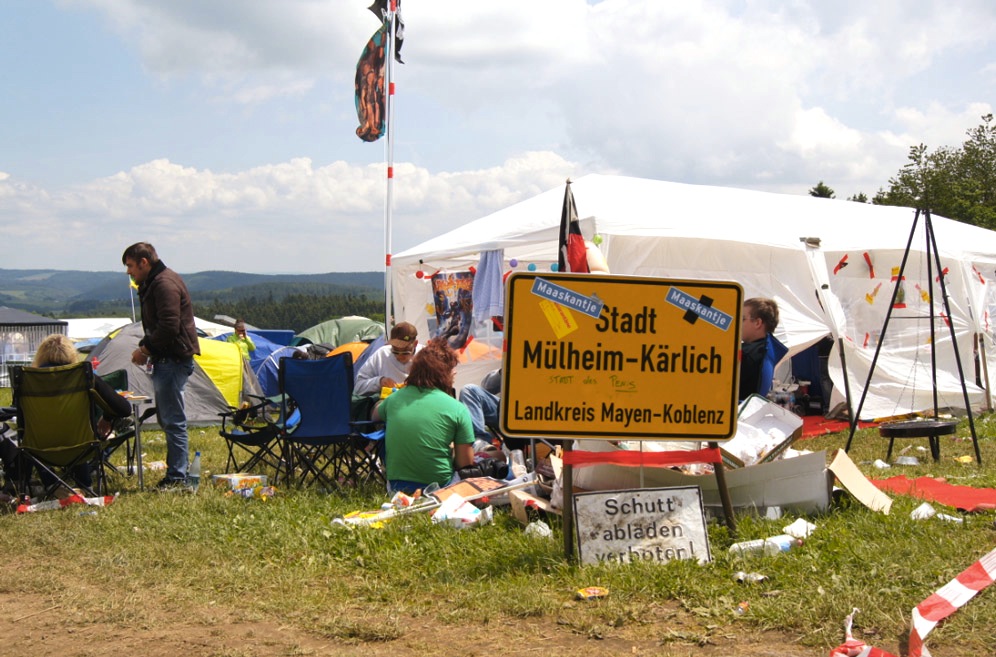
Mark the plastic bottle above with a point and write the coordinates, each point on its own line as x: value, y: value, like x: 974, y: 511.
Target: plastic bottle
x: 518, y: 463
x: 194, y: 472
x: 770, y: 546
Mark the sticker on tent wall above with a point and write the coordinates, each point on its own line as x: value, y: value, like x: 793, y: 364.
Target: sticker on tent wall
x: 659, y: 358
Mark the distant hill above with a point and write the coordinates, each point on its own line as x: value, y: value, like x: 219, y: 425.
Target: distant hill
x: 58, y: 292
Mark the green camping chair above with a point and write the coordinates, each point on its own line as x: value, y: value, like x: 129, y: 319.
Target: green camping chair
x: 57, y: 413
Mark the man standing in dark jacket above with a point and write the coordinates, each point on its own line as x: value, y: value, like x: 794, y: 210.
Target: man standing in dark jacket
x: 169, y: 346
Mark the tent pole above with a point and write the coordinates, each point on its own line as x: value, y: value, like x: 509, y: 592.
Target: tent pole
x: 981, y: 342
x: 932, y: 251
x: 847, y: 379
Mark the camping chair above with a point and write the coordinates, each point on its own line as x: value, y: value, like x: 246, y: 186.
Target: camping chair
x: 252, y: 435
x: 325, y: 445
x: 57, y: 413
x: 8, y: 453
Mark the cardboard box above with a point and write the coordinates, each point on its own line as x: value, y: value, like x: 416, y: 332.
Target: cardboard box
x: 764, y: 431
x: 802, y: 483
x: 239, y: 480
x: 518, y: 500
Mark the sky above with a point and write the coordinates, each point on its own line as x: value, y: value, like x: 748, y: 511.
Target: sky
x: 223, y: 131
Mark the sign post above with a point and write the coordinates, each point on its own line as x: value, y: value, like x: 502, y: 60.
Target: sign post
x: 621, y: 358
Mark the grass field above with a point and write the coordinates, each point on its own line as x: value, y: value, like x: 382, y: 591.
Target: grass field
x: 284, y: 558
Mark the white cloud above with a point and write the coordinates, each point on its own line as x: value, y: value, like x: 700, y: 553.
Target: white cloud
x: 507, y: 99
x: 289, y: 216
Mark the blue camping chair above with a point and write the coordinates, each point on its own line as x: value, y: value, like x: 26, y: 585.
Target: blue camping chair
x: 252, y: 435
x: 324, y: 446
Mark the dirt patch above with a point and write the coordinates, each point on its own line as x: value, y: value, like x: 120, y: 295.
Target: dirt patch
x: 37, y: 624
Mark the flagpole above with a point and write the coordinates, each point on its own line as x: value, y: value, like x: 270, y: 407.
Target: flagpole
x: 389, y: 200
x: 131, y: 295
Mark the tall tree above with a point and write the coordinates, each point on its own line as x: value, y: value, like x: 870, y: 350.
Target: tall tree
x: 956, y: 183
x: 822, y: 191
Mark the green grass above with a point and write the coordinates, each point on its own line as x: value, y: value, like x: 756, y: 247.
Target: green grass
x: 283, y: 557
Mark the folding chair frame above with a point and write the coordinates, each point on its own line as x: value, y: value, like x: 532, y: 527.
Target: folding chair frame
x: 253, y: 436
x: 57, y: 410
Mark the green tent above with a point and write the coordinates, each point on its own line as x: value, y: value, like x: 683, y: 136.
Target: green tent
x: 336, y: 332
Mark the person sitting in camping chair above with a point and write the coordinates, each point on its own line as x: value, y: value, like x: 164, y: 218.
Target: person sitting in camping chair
x: 483, y: 402
x: 422, y: 421
x: 56, y: 350
x: 388, y: 367
x: 761, y: 350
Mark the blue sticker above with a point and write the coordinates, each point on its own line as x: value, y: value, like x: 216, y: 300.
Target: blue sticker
x: 699, y: 308
x: 591, y: 306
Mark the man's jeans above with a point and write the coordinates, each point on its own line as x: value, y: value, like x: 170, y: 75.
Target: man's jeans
x: 168, y: 380
x: 483, y: 407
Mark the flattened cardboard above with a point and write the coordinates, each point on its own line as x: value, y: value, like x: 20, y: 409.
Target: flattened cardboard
x: 857, y: 484
x: 518, y: 500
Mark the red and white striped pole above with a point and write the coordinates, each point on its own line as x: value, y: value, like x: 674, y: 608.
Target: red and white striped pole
x: 389, y: 200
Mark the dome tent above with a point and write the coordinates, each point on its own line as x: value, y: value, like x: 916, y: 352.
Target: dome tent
x: 221, y: 378
x: 335, y: 332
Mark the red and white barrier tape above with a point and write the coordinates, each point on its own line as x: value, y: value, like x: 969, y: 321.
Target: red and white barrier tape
x: 854, y: 647
x: 938, y: 606
x: 948, y: 599
x: 51, y: 505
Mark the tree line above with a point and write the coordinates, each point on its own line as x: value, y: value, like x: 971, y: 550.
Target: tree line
x: 957, y: 183
x: 296, y: 312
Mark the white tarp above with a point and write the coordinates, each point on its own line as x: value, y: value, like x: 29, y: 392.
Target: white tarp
x: 89, y: 328
x: 211, y: 329
x: 98, y: 327
x: 828, y: 263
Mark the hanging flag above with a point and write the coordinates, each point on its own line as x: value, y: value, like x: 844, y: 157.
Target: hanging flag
x: 370, y: 101
x: 573, y: 255
x: 379, y: 9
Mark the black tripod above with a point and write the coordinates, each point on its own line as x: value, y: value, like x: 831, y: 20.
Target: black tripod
x: 931, y: 428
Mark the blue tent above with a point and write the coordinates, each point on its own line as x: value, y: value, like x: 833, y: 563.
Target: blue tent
x: 264, y: 348
x: 267, y: 370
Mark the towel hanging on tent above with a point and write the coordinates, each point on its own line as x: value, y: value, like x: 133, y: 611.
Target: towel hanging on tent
x: 489, y: 293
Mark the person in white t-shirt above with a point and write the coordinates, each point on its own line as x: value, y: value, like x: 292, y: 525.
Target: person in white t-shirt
x: 388, y: 367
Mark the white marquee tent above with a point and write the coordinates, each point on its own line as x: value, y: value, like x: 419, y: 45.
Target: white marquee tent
x: 828, y: 263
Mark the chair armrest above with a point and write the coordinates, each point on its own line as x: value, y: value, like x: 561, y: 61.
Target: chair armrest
x: 369, y: 429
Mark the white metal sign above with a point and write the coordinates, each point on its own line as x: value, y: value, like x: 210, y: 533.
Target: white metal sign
x: 656, y: 524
